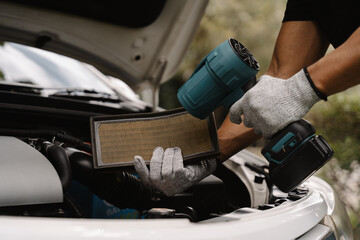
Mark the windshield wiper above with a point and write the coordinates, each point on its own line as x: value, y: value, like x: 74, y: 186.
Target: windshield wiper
x: 86, y: 95
x: 19, y: 87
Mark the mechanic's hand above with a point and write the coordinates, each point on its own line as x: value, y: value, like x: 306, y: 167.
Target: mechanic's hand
x: 274, y: 103
x: 167, y: 172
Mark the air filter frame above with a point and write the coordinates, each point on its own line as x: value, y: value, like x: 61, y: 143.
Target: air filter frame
x: 113, y: 135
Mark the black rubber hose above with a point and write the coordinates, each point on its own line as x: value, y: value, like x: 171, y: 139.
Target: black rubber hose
x: 72, y: 205
x: 48, y: 133
x: 58, y: 158
x: 119, y: 188
x: 239, y: 195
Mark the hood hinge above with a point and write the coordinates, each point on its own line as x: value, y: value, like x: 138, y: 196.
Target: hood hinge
x: 154, y: 79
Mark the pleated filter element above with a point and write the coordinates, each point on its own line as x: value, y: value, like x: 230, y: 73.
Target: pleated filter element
x: 117, y: 139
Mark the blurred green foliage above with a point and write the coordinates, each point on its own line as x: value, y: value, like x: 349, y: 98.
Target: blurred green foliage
x: 338, y: 120
x: 167, y: 97
x: 253, y: 23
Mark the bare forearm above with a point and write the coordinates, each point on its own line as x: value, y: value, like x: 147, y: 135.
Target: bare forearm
x: 233, y: 138
x: 299, y: 44
x: 339, y: 69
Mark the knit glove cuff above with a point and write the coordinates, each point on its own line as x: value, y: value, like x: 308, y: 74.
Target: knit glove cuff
x: 273, y: 103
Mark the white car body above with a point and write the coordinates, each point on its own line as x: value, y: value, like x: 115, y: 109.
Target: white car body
x: 289, y: 221
x: 305, y: 218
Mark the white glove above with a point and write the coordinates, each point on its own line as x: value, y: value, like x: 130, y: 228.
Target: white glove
x: 273, y: 103
x: 167, y: 172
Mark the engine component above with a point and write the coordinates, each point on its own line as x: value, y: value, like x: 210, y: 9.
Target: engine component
x: 119, y: 188
x: 60, y: 161
x: 161, y: 213
x: 48, y: 133
x: 26, y: 176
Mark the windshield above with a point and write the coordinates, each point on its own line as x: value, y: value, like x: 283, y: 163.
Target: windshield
x: 39, y: 68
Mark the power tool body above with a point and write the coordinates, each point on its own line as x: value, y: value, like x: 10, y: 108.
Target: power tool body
x: 222, y: 78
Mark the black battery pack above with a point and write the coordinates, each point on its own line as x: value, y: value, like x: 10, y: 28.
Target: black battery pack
x: 295, y: 154
x: 303, y: 163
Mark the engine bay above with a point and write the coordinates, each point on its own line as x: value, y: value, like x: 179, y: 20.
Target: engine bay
x: 59, y: 138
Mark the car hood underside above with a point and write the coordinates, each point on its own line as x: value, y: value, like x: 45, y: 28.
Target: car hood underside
x: 140, y: 45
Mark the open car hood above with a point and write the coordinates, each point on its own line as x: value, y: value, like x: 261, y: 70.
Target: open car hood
x: 140, y: 42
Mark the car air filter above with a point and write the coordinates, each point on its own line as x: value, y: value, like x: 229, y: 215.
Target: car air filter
x: 117, y: 139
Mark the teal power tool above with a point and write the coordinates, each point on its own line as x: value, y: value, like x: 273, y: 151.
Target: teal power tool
x: 222, y: 78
